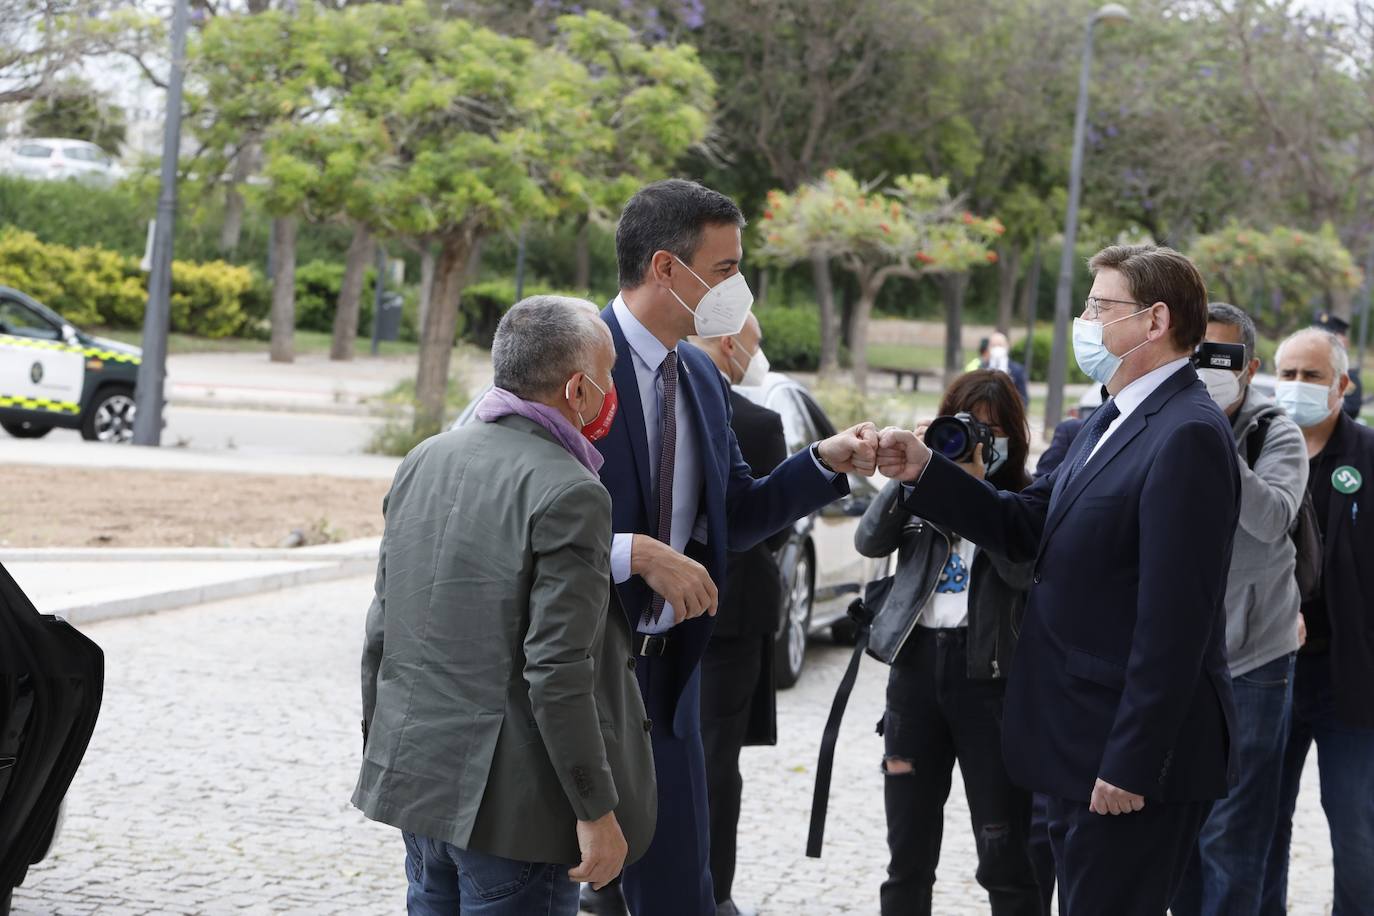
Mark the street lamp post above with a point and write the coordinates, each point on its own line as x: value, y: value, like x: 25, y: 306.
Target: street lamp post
x: 1054, y: 401
x: 152, y: 372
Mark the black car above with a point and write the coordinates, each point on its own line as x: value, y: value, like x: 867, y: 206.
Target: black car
x: 821, y: 569
x: 53, y: 375
x: 51, y: 682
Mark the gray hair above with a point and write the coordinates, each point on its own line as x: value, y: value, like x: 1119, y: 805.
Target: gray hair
x: 542, y: 341
x: 1226, y: 313
x: 1340, y: 359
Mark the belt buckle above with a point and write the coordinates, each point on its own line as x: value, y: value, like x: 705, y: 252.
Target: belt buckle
x: 649, y: 644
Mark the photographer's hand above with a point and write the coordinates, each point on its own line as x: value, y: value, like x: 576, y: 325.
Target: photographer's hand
x: 975, y: 465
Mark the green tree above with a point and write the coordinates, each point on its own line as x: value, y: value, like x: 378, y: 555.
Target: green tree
x: 1276, y: 274
x: 448, y: 133
x: 913, y: 229
x: 73, y: 108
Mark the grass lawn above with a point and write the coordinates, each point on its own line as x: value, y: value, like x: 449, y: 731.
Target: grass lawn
x: 306, y: 342
x: 904, y: 356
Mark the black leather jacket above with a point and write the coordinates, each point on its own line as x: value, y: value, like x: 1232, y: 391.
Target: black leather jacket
x: 997, y: 587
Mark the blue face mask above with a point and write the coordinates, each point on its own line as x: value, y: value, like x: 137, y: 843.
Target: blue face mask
x: 1306, y: 403
x: 1097, y: 362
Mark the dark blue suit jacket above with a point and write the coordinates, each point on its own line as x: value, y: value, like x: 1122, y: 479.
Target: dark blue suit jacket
x: 1064, y: 434
x: 740, y: 510
x: 1121, y: 667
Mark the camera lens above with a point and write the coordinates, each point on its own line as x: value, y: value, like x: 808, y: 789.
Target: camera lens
x: 949, y: 437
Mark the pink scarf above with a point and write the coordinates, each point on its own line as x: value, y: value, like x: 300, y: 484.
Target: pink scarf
x: 499, y: 403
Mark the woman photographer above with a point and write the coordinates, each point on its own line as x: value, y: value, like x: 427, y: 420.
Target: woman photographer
x: 948, y: 627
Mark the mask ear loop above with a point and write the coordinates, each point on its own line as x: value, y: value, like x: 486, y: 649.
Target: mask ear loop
x: 567, y: 393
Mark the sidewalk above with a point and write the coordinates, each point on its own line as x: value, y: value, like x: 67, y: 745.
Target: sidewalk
x: 84, y: 585
x: 50, y: 452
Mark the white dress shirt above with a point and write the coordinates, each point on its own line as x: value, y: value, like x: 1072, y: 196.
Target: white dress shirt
x: 648, y: 354
x: 1128, y: 399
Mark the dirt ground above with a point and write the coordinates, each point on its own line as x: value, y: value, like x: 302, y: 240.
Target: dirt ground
x: 72, y: 507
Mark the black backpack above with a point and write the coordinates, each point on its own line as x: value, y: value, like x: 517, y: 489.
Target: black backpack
x: 1306, y: 535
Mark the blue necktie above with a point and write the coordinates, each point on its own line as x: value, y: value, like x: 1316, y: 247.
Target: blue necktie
x: 667, y: 454
x: 1101, y: 419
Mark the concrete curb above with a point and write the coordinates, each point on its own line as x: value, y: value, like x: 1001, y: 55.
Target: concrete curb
x: 310, y: 565
x: 134, y: 606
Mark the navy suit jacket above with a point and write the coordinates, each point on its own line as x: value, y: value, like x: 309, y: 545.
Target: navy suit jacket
x: 740, y: 510
x: 1120, y: 672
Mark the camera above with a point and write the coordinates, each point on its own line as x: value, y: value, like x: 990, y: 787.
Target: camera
x: 1230, y: 357
x: 956, y: 437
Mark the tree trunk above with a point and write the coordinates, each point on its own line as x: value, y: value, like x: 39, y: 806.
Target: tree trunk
x: 858, y: 336
x: 830, y: 328
x: 582, y: 255
x: 761, y: 293
x: 426, y: 280
x: 1008, y: 266
x: 231, y: 230
x: 1030, y: 300
x: 360, y: 253
x: 954, y: 286
x: 284, y: 289
x: 437, y: 333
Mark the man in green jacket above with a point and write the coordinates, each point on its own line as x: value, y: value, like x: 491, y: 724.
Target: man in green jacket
x: 503, y: 727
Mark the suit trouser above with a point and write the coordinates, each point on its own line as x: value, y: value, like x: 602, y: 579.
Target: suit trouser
x: 674, y: 876
x: 1122, y: 864
x: 729, y: 676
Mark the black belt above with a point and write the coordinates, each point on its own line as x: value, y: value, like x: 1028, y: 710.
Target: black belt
x: 646, y: 644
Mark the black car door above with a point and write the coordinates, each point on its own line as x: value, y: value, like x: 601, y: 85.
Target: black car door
x: 51, y: 681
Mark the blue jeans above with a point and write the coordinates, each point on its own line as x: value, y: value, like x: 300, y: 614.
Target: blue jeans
x: 1345, y: 763
x: 1224, y: 876
x: 447, y: 881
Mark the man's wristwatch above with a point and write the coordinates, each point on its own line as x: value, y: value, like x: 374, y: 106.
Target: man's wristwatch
x: 816, y: 453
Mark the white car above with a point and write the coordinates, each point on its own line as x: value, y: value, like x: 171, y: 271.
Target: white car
x: 55, y: 159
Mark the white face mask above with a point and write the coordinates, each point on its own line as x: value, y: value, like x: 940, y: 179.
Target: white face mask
x: 1097, y: 362
x: 1306, y: 403
x: 1222, y: 384
x: 725, y: 307
x: 753, y: 374
x: 1000, y: 444
x: 999, y: 358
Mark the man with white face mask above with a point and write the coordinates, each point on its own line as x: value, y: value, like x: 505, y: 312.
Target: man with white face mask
x: 682, y: 497
x: 1261, y: 631
x: 1334, y: 677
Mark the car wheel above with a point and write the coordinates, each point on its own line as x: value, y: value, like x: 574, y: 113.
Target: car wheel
x: 110, y: 418
x: 790, y: 647
x: 24, y: 429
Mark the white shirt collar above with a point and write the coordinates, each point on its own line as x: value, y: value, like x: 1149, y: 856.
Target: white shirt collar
x: 1135, y: 394
x: 645, y: 345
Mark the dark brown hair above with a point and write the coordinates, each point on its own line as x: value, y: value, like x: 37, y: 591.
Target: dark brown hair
x: 993, y: 389
x: 1158, y: 274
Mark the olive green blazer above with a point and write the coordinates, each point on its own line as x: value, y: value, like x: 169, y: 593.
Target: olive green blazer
x: 499, y: 699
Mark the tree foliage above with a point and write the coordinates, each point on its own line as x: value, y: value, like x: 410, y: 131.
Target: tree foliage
x: 912, y: 229
x: 75, y: 109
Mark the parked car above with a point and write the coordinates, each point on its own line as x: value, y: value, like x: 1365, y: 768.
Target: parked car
x: 52, y: 375
x: 52, y: 679
x: 57, y: 159
x: 820, y: 567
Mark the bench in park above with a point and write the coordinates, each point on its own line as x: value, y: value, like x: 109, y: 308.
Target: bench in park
x: 916, y: 375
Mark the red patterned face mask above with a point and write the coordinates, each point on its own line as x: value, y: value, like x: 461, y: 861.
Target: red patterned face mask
x: 600, y: 424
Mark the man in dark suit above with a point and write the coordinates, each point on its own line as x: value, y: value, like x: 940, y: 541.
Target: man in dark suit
x: 1119, y: 707
x: 737, y: 690
x: 682, y: 496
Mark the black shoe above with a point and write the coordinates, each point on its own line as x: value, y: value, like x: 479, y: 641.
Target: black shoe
x: 609, y: 901
x: 731, y: 908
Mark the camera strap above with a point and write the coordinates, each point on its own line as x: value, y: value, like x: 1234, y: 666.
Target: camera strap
x: 862, y: 615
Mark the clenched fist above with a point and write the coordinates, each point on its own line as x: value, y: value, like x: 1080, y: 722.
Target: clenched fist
x: 901, y: 454
x: 853, y: 451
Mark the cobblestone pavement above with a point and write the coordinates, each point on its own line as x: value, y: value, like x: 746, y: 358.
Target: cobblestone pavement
x: 219, y: 776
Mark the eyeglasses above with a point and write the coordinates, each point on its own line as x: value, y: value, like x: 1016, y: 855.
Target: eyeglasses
x: 1092, y: 307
